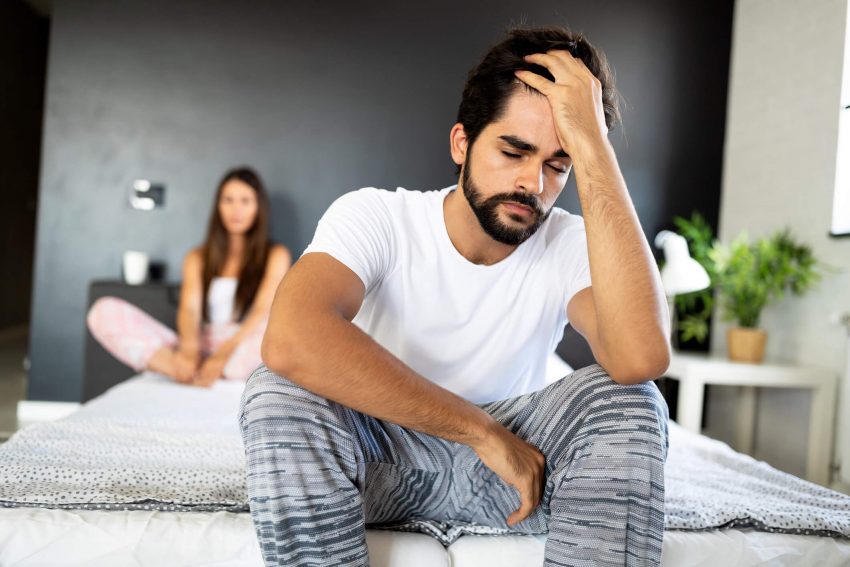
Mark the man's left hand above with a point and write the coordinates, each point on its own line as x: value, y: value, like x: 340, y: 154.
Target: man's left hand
x: 575, y: 98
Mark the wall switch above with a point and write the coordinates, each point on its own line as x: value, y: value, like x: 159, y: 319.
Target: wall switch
x: 146, y: 195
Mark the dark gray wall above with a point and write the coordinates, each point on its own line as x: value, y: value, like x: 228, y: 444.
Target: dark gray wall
x: 323, y: 98
x: 23, y: 60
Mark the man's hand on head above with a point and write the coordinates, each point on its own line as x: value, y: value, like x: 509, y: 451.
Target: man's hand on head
x: 575, y: 98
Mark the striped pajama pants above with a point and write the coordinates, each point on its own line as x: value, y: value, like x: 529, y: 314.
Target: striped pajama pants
x: 318, y: 473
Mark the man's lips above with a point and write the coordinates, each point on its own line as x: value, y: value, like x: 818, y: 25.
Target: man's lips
x: 517, y: 208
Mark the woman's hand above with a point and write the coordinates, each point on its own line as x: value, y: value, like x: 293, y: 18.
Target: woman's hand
x: 185, y: 366
x: 211, y: 370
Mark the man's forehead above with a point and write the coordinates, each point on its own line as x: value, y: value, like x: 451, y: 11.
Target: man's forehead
x: 524, y: 99
x: 527, y: 124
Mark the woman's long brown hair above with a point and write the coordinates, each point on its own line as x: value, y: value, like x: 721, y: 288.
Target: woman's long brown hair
x: 257, y: 245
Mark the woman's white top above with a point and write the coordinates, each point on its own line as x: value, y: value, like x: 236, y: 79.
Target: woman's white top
x: 220, y: 298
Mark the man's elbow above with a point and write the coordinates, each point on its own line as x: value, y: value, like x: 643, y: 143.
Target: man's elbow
x: 651, y: 365
x: 275, y: 352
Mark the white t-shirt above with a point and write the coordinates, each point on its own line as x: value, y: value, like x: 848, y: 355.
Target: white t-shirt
x: 482, y: 332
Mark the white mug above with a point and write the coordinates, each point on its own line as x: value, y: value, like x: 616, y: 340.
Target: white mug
x: 135, y: 267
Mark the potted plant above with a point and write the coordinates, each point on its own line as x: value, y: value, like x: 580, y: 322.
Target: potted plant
x: 752, y: 276
x: 746, y: 277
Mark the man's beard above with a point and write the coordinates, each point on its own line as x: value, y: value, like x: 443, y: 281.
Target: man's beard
x: 486, y: 210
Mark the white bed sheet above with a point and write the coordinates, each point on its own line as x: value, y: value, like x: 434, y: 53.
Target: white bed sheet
x: 33, y: 537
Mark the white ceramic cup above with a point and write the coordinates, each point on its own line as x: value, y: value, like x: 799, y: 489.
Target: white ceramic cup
x: 135, y: 267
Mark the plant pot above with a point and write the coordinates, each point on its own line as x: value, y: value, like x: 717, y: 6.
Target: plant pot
x: 745, y: 344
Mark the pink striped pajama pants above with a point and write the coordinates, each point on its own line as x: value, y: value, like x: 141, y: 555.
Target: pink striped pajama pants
x: 132, y: 336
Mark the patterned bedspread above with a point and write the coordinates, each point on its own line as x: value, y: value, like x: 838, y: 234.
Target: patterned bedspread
x: 152, y: 444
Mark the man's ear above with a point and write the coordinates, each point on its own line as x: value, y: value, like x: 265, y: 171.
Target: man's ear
x: 458, y: 143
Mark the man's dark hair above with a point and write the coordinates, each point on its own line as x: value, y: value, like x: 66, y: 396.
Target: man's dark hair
x: 492, y: 81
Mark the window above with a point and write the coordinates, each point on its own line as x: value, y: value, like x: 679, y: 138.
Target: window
x: 841, y: 201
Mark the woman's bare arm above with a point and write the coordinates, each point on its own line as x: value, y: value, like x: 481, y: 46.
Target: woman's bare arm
x: 276, y: 267
x: 189, y: 312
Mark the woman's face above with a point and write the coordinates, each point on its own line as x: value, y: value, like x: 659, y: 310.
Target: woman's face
x: 237, y: 206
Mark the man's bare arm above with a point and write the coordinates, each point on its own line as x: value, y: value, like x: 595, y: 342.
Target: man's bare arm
x: 632, y: 325
x: 311, y: 341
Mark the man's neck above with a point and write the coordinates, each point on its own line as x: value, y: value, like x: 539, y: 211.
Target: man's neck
x: 466, y: 234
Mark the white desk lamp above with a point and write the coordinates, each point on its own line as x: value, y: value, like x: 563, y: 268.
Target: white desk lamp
x: 680, y: 274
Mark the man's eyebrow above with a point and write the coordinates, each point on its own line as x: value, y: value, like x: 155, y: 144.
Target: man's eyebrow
x: 529, y: 147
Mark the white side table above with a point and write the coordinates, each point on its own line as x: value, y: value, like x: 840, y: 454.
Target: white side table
x: 695, y: 370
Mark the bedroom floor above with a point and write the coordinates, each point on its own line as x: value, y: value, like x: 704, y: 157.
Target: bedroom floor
x: 13, y: 378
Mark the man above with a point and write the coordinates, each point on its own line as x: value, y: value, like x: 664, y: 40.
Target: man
x: 405, y: 356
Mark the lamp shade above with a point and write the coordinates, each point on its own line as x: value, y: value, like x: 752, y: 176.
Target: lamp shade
x: 681, y: 273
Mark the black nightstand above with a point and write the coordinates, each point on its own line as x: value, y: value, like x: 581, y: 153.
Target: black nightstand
x: 159, y: 300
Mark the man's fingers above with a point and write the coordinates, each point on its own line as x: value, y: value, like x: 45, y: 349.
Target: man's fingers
x: 572, y: 61
x: 519, y: 515
x: 527, y: 505
x: 530, y: 493
x: 562, y: 64
x: 534, y: 80
x: 553, y: 60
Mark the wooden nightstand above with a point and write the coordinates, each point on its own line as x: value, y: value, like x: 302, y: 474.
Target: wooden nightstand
x: 695, y: 370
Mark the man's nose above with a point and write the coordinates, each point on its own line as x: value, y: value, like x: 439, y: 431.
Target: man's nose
x: 530, y: 179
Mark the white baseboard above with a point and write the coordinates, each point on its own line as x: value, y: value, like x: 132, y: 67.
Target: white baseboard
x: 32, y: 411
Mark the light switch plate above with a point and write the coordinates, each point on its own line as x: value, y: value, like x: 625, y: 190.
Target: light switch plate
x: 147, y: 195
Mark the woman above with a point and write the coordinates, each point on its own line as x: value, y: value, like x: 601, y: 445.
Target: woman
x: 228, y: 286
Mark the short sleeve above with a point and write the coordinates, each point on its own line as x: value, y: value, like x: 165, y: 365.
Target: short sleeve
x: 357, y: 230
x: 573, y: 260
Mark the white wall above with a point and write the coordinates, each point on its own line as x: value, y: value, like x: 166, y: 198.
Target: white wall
x: 779, y: 169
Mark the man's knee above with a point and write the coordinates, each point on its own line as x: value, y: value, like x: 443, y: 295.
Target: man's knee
x: 270, y: 397
x: 609, y: 405
x: 276, y: 408
x: 595, y: 385
x: 638, y: 410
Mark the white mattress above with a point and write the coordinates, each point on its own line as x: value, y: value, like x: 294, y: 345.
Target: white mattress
x: 32, y: 537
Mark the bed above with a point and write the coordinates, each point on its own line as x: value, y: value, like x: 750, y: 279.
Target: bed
x: 151, y: 473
